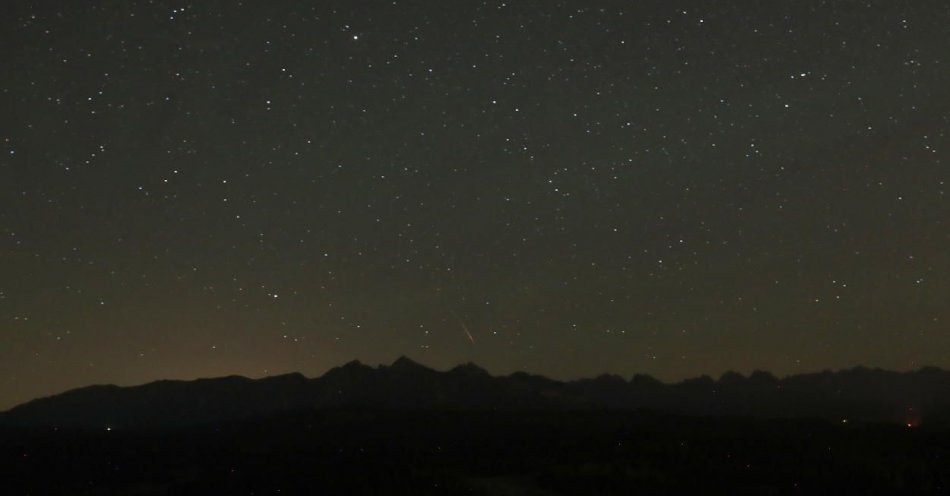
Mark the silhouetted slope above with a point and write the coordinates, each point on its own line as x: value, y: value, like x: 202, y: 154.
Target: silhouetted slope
x: 857, y: 394
x: 166, y: 403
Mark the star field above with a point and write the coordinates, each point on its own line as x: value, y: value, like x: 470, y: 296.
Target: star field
x: 569, y: 188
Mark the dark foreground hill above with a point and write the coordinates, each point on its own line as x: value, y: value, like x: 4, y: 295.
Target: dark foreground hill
x: 856, y: 395
x: 354, y: 451
x: 408, y: 429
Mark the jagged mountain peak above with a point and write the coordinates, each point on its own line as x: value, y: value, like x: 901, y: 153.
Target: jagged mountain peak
x: 354, y: 365
x: 353, y: 368
x: 877, y: 395
x: 470, y: 369
x: 406, y: 363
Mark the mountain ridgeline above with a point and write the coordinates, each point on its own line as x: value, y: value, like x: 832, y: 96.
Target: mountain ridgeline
x: 854, y: 395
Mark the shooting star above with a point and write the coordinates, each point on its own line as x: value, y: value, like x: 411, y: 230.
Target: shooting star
x: 464, y: 328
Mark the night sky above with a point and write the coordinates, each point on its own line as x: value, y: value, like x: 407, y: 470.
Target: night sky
x: 193, y: 189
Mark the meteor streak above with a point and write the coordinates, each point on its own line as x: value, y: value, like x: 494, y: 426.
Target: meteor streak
x: 464, y: 328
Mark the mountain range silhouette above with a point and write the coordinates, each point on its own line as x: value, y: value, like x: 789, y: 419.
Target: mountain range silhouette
x: 853, y: 395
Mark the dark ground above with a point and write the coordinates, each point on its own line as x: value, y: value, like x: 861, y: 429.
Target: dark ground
x: 352, y: 451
